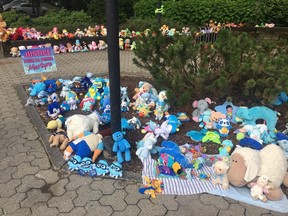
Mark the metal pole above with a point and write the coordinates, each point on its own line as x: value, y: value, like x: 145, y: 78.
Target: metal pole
x: 113, y: 63
x: 159, y: 14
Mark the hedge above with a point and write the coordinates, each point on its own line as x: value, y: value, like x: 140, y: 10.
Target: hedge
x: 199, y: 12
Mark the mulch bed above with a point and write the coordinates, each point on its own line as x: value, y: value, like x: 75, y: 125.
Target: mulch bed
x: 180, y: 137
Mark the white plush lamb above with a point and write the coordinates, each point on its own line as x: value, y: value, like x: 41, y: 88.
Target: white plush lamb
x: 77, y: 124
x: 247, y: 164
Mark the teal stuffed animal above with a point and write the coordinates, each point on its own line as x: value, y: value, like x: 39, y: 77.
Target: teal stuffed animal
x: 251, y: 115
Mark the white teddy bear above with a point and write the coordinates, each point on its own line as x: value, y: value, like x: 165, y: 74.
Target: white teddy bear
x: 220, y: 169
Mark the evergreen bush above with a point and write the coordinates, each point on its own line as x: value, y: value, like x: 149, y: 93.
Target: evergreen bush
x: 234, y: 65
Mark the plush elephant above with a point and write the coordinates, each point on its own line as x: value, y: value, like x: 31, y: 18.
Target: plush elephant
x: 247, y: 164
x: 250, y: 116
x: 201, y: 106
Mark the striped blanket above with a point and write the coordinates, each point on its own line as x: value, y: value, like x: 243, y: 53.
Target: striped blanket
x: 177, y: 186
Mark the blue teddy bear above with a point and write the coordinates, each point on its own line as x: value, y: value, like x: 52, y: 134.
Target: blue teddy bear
x: 120, y: 146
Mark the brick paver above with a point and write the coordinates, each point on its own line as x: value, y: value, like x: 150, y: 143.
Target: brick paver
x: 29, y: 186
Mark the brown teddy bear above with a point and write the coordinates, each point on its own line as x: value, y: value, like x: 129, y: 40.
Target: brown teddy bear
x: 3, y: 33
x: 59, y: 138
x: 214, y: 118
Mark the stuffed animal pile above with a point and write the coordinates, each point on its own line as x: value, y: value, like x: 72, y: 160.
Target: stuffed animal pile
x: 79, y: 138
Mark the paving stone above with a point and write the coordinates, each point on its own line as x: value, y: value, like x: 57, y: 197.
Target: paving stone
x: 11, y: 204
x: 133, y: 195
x: 30, y: 136
x: 131, y: 210
x: 274, y: 213
x: 19, y: 148
x: 8, y: 114
x: 234, y: 209
x: 77, y: 211
x: 34, y: 144
x: 5, y: 109
x: 13, y: 133
x: 9, y: 189
x: 120, y: 184
x: 118, y: 195
x: 185, y: 210
x: 94, y: 207
x: 253, y: 210
x: 167, y: 200
x: 3, y: 132
x: 76, y: 181
x: 217, y: 201
x: 11, y: 125
x: 42, y: 163
x: 22, y: 212
x: 10, y: 141
x: 64, y: 203
x: 48, y: 176
x: 185, y: 200
x: 148, y: 208
x: 229, y: 200
x: 106, y: 186
x: 198, y: 208
x: 58, y: 189
x: 20, y: 111
x: 20, y: 158
x: 3, y: 165
x: 86, y: 194
x: 25, y: 169
x: 3, y: 153
x: 38, y: 153
x: 43, y: 210
x: 29, y: 182
x: 6, y: 174
x: 35, y: 196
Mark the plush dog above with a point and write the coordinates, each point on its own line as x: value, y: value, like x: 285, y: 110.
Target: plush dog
x: 78, y: 123
x: 59, y: 138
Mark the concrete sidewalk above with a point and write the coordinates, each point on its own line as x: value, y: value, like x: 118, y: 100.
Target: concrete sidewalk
x: 29, y: 186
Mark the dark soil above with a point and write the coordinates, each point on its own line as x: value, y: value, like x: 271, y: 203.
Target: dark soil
x: 180, y: 137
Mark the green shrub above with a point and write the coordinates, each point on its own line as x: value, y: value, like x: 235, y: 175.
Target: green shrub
x: 70, y: 20
x: 198, y: 12
x: 63, y: 19
x: 138, y: 24
x: 275, y: 11
x: 15, y: 20
x: 234, y: 65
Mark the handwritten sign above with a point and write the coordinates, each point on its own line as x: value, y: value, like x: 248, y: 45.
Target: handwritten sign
x: 38, y: 60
